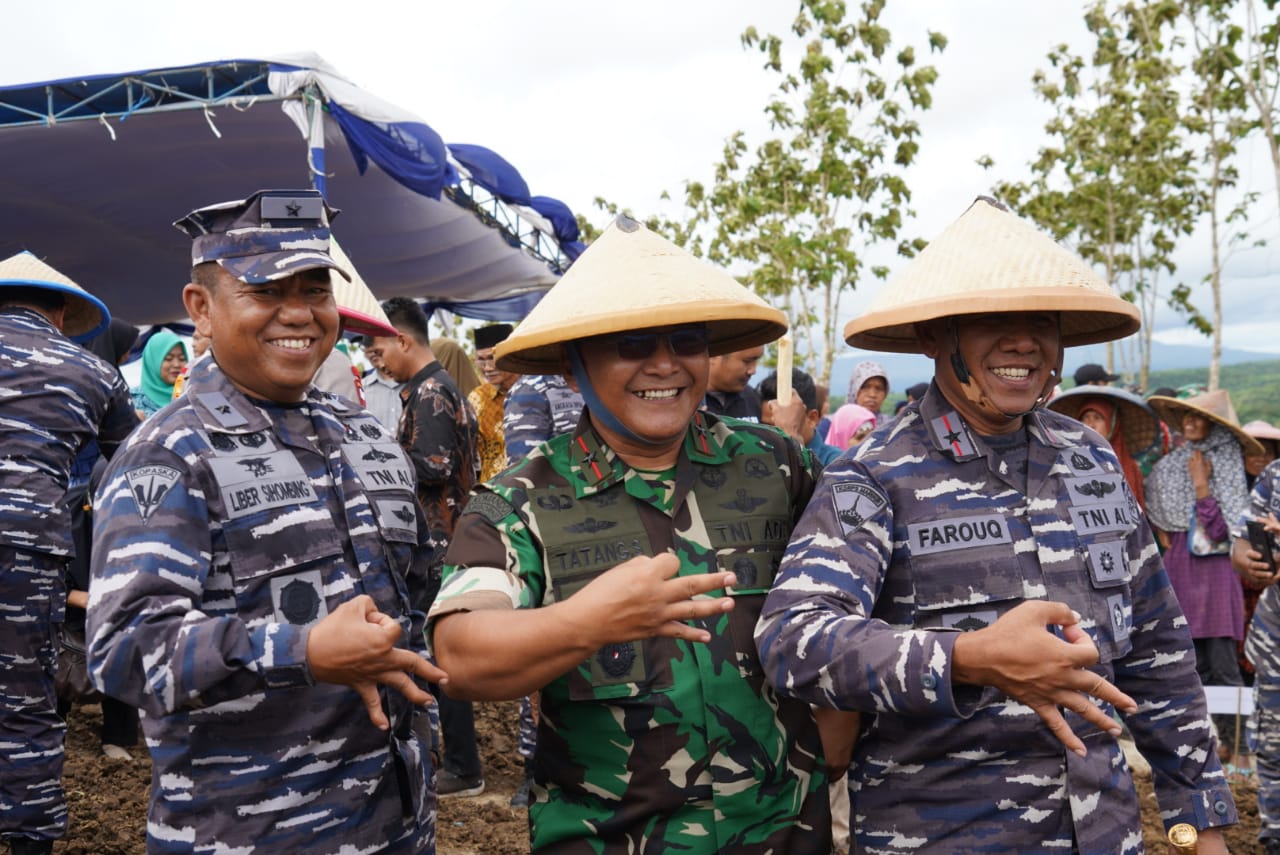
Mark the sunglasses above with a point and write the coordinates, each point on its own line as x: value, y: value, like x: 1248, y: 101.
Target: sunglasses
x: 687, y: 341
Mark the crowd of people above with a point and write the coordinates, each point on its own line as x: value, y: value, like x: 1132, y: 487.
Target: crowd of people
x: 735, y: 622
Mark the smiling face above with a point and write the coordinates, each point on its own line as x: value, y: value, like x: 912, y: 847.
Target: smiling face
x: 174, y: 361
x: 1011, y: 358
x: 655, y: 397
x: 269, y: 339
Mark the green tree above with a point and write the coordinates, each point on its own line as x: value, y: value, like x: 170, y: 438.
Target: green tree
x: 1219, y: 118
x: 1117, y: 180
x: 799, y: 213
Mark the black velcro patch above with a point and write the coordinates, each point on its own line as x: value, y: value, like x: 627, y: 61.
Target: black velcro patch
x: 491, y: 506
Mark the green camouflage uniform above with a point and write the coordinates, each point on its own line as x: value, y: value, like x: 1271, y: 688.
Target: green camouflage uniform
x: 658, y: 745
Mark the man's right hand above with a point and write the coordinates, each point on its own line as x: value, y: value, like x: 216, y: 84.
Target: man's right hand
x: 1021, y: 657
x: 643, y: 597
x: 355, y: 645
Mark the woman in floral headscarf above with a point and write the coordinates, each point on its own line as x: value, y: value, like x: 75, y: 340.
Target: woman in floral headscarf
x: 868, y: 387
x: 1194, y: 494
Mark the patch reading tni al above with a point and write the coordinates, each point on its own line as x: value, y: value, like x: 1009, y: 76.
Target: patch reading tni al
x: 149, y: 485
x: 855, y: 504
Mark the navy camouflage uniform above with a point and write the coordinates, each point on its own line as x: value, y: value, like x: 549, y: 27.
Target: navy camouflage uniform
x: 225, y: 529
x: 928, y: 531
x: 658, y: 745
x: 55, y: 397
x: 1262, y: 648
x: 538, y: 407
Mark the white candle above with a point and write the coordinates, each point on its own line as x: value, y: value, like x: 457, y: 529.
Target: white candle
x: 785, y: 358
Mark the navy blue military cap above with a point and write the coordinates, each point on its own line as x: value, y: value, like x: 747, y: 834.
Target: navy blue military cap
x: 270, y: 235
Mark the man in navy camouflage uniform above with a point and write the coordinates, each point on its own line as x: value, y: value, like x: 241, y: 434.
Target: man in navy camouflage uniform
x: 251, y: 545
x: 978, y: 580
x: 54, y: 398
x: 538, y: 407
x: 581, y: 572
x: 1262, y: 647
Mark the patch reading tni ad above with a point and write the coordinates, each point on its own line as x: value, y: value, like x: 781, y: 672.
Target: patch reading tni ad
x: 855, y: 504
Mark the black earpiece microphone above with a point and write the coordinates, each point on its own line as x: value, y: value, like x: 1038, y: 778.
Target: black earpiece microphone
x: 958, y: 366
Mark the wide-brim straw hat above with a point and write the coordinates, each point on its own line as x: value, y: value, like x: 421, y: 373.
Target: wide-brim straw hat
x: 1264, y: 432
x: 85, y: 314
x: 361, y: 312
x: 1138, y: 422
x: 631, y: 279
x: 987, y: 261
x: 1215, y: 406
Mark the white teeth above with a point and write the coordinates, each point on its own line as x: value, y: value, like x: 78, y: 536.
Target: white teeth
x: 1012, y: 373
x: 658, y: 394
x: 292, y: 343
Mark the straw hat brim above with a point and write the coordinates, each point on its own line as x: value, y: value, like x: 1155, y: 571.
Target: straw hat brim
x: 1259, y: 429
x: 361, y: 312
x: 991, y: 261
x: 1086, y: 319
x: 541, y: 353
x: 631, y: 278
x: 1172, y: 411
x: 85, y: 315
x: 1138, y: 421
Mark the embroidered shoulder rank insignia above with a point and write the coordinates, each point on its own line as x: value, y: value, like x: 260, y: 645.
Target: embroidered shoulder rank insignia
x: 148, y: 485
x: 951, y: 433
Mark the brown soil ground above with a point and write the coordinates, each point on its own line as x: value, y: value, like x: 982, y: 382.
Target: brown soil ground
x: 108, y: 799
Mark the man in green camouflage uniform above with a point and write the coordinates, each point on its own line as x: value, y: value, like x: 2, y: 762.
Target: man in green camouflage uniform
x: 584, y: 572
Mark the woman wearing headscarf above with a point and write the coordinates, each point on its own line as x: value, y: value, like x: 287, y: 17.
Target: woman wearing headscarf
x: 163, y: 358
x: 1194, y: 494
x: 456, y: 363
x: 868, y: 387
x: 1123, y: 419
x: 850, y: 425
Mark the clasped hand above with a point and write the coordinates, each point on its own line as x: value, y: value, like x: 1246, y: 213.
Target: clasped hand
x: 1022, y: 657
x: 355, y: 645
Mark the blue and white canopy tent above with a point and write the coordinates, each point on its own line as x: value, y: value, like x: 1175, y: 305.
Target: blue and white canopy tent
x: 93, y: 172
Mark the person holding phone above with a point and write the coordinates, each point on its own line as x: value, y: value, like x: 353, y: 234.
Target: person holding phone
x: 1257, y: 567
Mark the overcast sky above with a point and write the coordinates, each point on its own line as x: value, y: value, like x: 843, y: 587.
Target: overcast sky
x: 626, y: 100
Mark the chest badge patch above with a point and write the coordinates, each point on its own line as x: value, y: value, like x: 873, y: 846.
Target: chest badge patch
x: 855, y: 503
x: 148, y: 485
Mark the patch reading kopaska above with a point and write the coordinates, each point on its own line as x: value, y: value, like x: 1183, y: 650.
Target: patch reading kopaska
x: 149, y: 485
x: 855, y: 503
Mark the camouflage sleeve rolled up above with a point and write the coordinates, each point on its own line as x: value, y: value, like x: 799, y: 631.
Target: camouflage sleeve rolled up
x: 152, y: 644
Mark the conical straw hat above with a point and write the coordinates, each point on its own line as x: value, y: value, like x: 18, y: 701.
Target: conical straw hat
x: 1137, y: 420
x: 987, y: 261
x: 85, y: 315
x: 1214, y: 406
x: 630, y: 279
x: 360, y: 310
